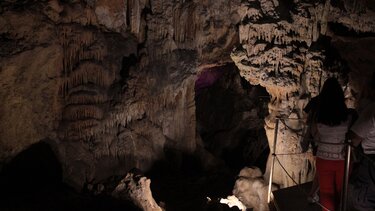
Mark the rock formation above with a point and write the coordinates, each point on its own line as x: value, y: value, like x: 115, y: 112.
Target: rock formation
x: 112, y: 83
x: 251, y: 189
x: 232, y: 201
x: 280, y: 51
x: 137, y: 189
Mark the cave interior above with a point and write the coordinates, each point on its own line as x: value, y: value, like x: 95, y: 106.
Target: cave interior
x: 167, y: 104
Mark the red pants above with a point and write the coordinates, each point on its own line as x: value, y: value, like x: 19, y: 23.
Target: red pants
x: 331, y: 174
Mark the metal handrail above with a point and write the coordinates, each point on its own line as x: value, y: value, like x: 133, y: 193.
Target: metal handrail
x: 343, y: 204
x: 273, y: 161
x: 348, y: 149
x: 344, y: 196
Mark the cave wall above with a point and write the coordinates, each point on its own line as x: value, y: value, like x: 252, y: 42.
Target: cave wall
x: 111, y: 83
x: 29, y: 80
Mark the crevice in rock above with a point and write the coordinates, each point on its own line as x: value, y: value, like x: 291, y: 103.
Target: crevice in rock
x: 127, y: 63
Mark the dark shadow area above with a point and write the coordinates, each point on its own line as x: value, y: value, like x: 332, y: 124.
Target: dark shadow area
x: 33, y: 181
x: 127, y: 63
x: 245, y: 154
x: 181, y: 183
x: 282, y: 198
x: 230, y: 117
x: 341, y: 30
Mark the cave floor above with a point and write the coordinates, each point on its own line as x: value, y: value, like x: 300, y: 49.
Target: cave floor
x: 187, y: 189
x: 294, y: 198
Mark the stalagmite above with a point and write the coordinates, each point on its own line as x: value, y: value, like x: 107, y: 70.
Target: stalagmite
x: 251, y: 189
x: 137, y: 188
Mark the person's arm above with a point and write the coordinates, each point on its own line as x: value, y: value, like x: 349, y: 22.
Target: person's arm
x: 360, y: 130
x: 355, y: 139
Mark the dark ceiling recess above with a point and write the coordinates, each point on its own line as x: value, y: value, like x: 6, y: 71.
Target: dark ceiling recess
x: 341, y: 30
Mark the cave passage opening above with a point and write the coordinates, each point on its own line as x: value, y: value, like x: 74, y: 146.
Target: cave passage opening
x: 230, y: 116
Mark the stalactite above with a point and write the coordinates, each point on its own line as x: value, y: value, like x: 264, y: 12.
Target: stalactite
x: 75, y: 43
x: 176, y: 24
x: 88, y: 73
x: 82, y: 112
x: 78, y: 99
x: 184, y: 26
x: 84, y: 89
x: 191, y: 24
x: 81, y: 128
x: 244, y: 33
x: 90, y: 15
x: 135, y: 15
x: 81, y: 98
x: 122, y: 116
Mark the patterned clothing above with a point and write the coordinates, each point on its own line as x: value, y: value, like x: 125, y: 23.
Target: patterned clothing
x: 330, y: 162
x: 331, y: 141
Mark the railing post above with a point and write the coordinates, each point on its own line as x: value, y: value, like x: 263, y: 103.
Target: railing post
x: 344, y: 195
x: 273, y: 160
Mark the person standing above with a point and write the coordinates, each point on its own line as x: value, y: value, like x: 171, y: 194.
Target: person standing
x: 332, y: 122
x: 362, y: 133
